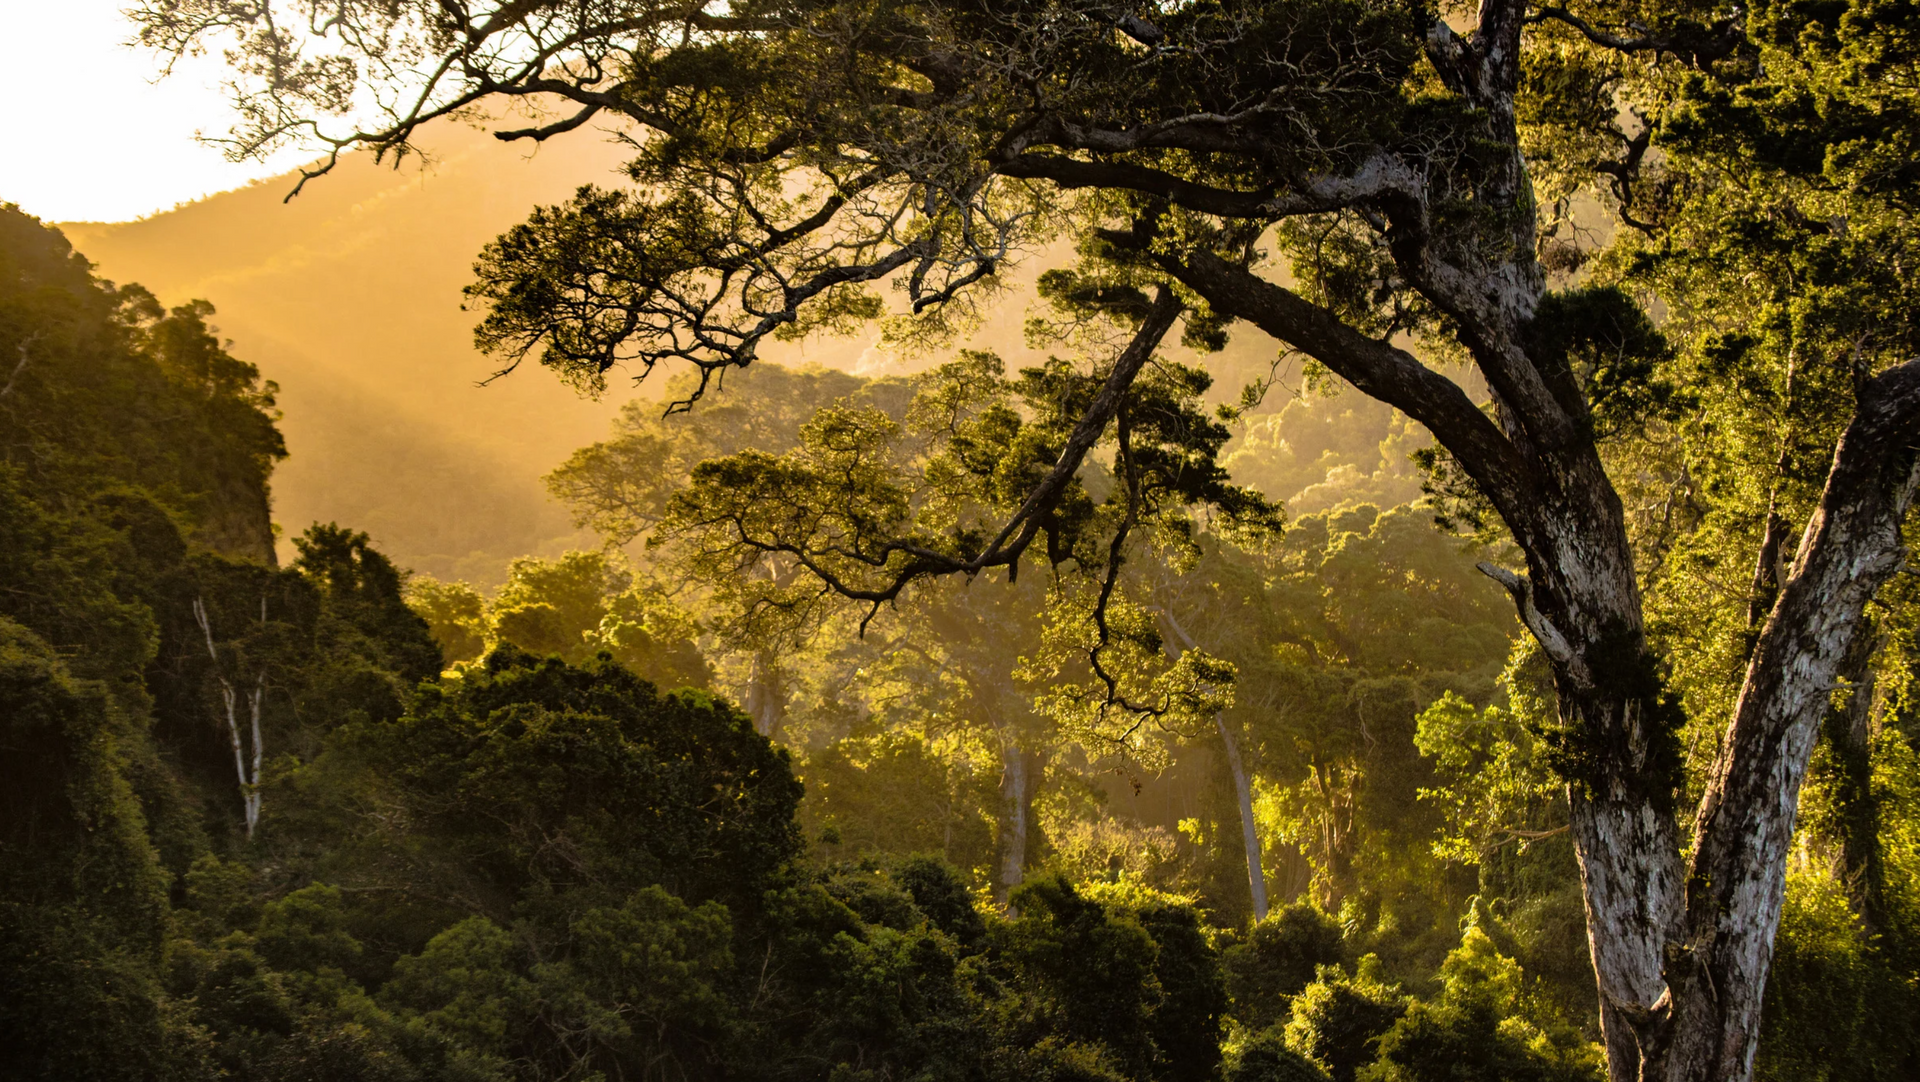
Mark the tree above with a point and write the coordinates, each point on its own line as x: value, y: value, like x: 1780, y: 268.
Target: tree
x: 1481, y: 1026
x: 582, y: 784
x: 1339, y: 632
x: 1417, y: 177
x: 621, y: 487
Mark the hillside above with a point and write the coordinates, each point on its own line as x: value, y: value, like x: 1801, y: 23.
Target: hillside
x: 349, y: 297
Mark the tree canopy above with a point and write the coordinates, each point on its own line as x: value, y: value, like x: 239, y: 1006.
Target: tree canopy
x: 1636, y: 269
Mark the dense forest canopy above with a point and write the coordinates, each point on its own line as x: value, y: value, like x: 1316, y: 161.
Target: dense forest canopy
x: 1062, y: 748
x: 258, y: 827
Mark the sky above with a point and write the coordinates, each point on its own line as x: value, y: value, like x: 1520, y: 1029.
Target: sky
x: 90, y: 134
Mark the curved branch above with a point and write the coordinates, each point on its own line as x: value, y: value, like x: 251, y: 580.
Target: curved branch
x: 542, y: 134
x: 1378, y: 175
x: 1376, y: 368
x: 1018, y: 532
x: 1699, y: 45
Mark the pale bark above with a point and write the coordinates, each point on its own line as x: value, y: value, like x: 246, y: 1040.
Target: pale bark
x: 766, y: 696
x: 249, y: 778
x: 1680, y: 953
x: 1019, y: 778
x: 1249, y: 833
x: 1242, y: 783
x: 1680, y: 949
x: 1744, y: 827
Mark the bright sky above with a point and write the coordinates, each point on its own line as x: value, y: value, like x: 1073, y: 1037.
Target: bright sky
x: 89, y: 134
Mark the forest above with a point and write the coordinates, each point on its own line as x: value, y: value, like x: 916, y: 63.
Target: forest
x: 1436, y: 600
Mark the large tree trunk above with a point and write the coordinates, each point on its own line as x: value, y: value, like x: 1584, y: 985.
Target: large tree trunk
x: 1682, y: 954
x: 1744, y: 827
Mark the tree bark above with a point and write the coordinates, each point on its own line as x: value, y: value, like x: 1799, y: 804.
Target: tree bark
x: 766, y: 697
x: 1242, y: 783
x: 1249, y: 832
x: 1717, y: 973
x: 1853, y: 825
x: 1019, y: 778
x: 1336, y: 834
x: 250, y: 797
x: 1681, y: 947
x: 1680, y: 952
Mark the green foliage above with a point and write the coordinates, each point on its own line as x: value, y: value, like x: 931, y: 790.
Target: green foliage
x: 106, y: 389
x: 575, y: 607
x: 82, y: 896
x: 1185, y: 1026
x: 1600, y: 339
x: 1338, y: 1020
x: 1265, y: 1057
x: 1280, y: 956
x: 1140, y: 984
x: 1092, y: 968
x: 542, y: 867
x: 361, y: 593
x: 1836, y: 1003
x: 1481, y: 1026
x: 1498, y: 788
x: 896, y: 794
x: 551, y: 606
x: 620, y: 487
x: 541, y: 780
x: 455, y: 613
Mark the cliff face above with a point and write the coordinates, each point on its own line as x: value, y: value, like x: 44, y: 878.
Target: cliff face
x: 109, y: 391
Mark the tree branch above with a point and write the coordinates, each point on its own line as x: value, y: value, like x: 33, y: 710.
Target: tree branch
x: 1378, y: 175
x: 1376, y: 368
x: 1018, y: 532
x: 1698, y: 45
x: 542, y: 134
x: 1744, y: 825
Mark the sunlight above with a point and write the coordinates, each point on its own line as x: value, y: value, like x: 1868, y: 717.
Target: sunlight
x: 95, y: 134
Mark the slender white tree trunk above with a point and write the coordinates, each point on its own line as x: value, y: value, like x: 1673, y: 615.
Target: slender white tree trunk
x: 1018, y: 779
x: 1249, y: 833
x: 252, y: 787
x: 1242, y: 784
x: 249, y: 778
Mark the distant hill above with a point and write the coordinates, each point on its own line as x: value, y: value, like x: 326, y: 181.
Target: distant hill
x: 349, y: 297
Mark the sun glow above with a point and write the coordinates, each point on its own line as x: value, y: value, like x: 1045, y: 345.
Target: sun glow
x: 95, y: 133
